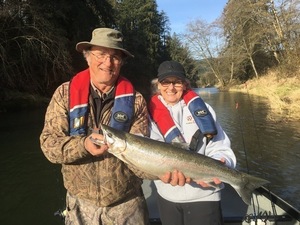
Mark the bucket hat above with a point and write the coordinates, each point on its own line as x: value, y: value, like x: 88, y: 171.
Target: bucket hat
x: 104, y: 37
x: 170, y: 69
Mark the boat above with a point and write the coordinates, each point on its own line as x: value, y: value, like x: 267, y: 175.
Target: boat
x: 266, y: 207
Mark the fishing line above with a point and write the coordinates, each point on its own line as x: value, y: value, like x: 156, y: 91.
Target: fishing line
x: 255, y: 128
x: 259, y: 145
x: 242, y: 133
x: 253, y: 120
x: 247, y: 218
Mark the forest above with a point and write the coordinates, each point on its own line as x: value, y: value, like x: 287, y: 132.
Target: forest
x: 250, y: 38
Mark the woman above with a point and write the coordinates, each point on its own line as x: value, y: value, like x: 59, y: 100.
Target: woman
x: 180, y: 115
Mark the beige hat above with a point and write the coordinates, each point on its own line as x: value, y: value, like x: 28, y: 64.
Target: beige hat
x: 104, y: 37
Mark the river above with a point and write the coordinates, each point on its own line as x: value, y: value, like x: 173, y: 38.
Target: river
x: 31, y: 188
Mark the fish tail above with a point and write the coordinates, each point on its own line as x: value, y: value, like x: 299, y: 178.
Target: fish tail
x: 248, y: 185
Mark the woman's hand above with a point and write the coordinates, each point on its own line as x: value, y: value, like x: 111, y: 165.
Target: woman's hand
x: 178, y: 178
x: 175, y: 178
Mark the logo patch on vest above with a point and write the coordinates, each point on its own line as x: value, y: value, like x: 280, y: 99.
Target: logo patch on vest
x: 200, y: 113
x: 78, y: 122
x: 120, y: 117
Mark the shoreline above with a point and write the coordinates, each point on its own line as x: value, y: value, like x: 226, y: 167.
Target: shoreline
x: 283, y: 95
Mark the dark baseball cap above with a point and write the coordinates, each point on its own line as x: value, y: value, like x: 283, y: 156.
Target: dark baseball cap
x: 170, y: 69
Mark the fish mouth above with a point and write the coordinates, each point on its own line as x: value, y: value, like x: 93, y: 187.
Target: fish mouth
x: 108, y: 138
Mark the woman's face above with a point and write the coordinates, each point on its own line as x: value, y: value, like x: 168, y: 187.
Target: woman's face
x: 171, y: 89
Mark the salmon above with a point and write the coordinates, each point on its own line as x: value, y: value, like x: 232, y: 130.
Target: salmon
x: 156, y: 158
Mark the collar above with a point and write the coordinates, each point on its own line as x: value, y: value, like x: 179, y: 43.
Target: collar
x: 101, y: 94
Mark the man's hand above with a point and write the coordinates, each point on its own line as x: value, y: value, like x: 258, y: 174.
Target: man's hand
x: 96, y: 148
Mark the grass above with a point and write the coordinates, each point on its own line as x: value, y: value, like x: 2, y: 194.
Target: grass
x: 283, y: 94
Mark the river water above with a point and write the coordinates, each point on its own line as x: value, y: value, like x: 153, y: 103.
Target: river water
x: 31, y: 188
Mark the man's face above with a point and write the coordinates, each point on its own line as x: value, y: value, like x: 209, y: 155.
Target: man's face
x: 104, y: 64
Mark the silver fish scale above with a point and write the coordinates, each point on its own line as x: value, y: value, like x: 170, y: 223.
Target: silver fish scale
x: 157, y: 158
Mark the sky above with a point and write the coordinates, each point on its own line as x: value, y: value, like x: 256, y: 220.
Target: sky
x: 181, y: 12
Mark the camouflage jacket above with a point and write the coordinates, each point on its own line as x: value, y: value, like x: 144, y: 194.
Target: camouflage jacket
x: 103, y: 180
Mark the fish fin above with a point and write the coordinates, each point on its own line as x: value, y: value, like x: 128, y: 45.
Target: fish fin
x: 248, y: 185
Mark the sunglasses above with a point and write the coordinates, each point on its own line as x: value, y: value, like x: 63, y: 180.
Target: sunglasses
x: 175, y: 83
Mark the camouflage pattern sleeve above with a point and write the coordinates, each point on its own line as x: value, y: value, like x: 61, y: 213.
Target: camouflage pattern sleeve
x: 56, y: 144
x: 140, y: 124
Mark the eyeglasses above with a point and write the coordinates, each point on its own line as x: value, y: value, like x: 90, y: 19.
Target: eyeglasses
x: 101, y: 57
x: 176, y: 83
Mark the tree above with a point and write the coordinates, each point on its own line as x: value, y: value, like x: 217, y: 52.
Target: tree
x: 32, y: 53
x: 143, y: 28
x: 38, y: 39
x: 182, y: 54
x: 262, y: 32
x: 243, y: 28
x: 205, y: 43
x: 284, y: 41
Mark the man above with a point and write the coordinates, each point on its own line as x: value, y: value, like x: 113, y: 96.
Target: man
x: 100, y: 188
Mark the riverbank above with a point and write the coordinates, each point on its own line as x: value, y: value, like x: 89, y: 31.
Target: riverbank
x: 13, y: 101
x: 282, y: 94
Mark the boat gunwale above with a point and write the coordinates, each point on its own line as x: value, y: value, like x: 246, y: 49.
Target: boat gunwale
x: 288, y: 208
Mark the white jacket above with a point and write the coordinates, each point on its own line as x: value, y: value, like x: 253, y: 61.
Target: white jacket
x: 219, y: 147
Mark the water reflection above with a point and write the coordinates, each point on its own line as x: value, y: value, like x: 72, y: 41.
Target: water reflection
x: 31, y: 188
x: 264, y: 148
x: 206, y: 91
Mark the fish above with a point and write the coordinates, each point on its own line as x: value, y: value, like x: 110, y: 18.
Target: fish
x: 156, y: 158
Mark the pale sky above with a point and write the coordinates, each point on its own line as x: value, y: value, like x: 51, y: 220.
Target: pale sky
x: 181, y: 12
